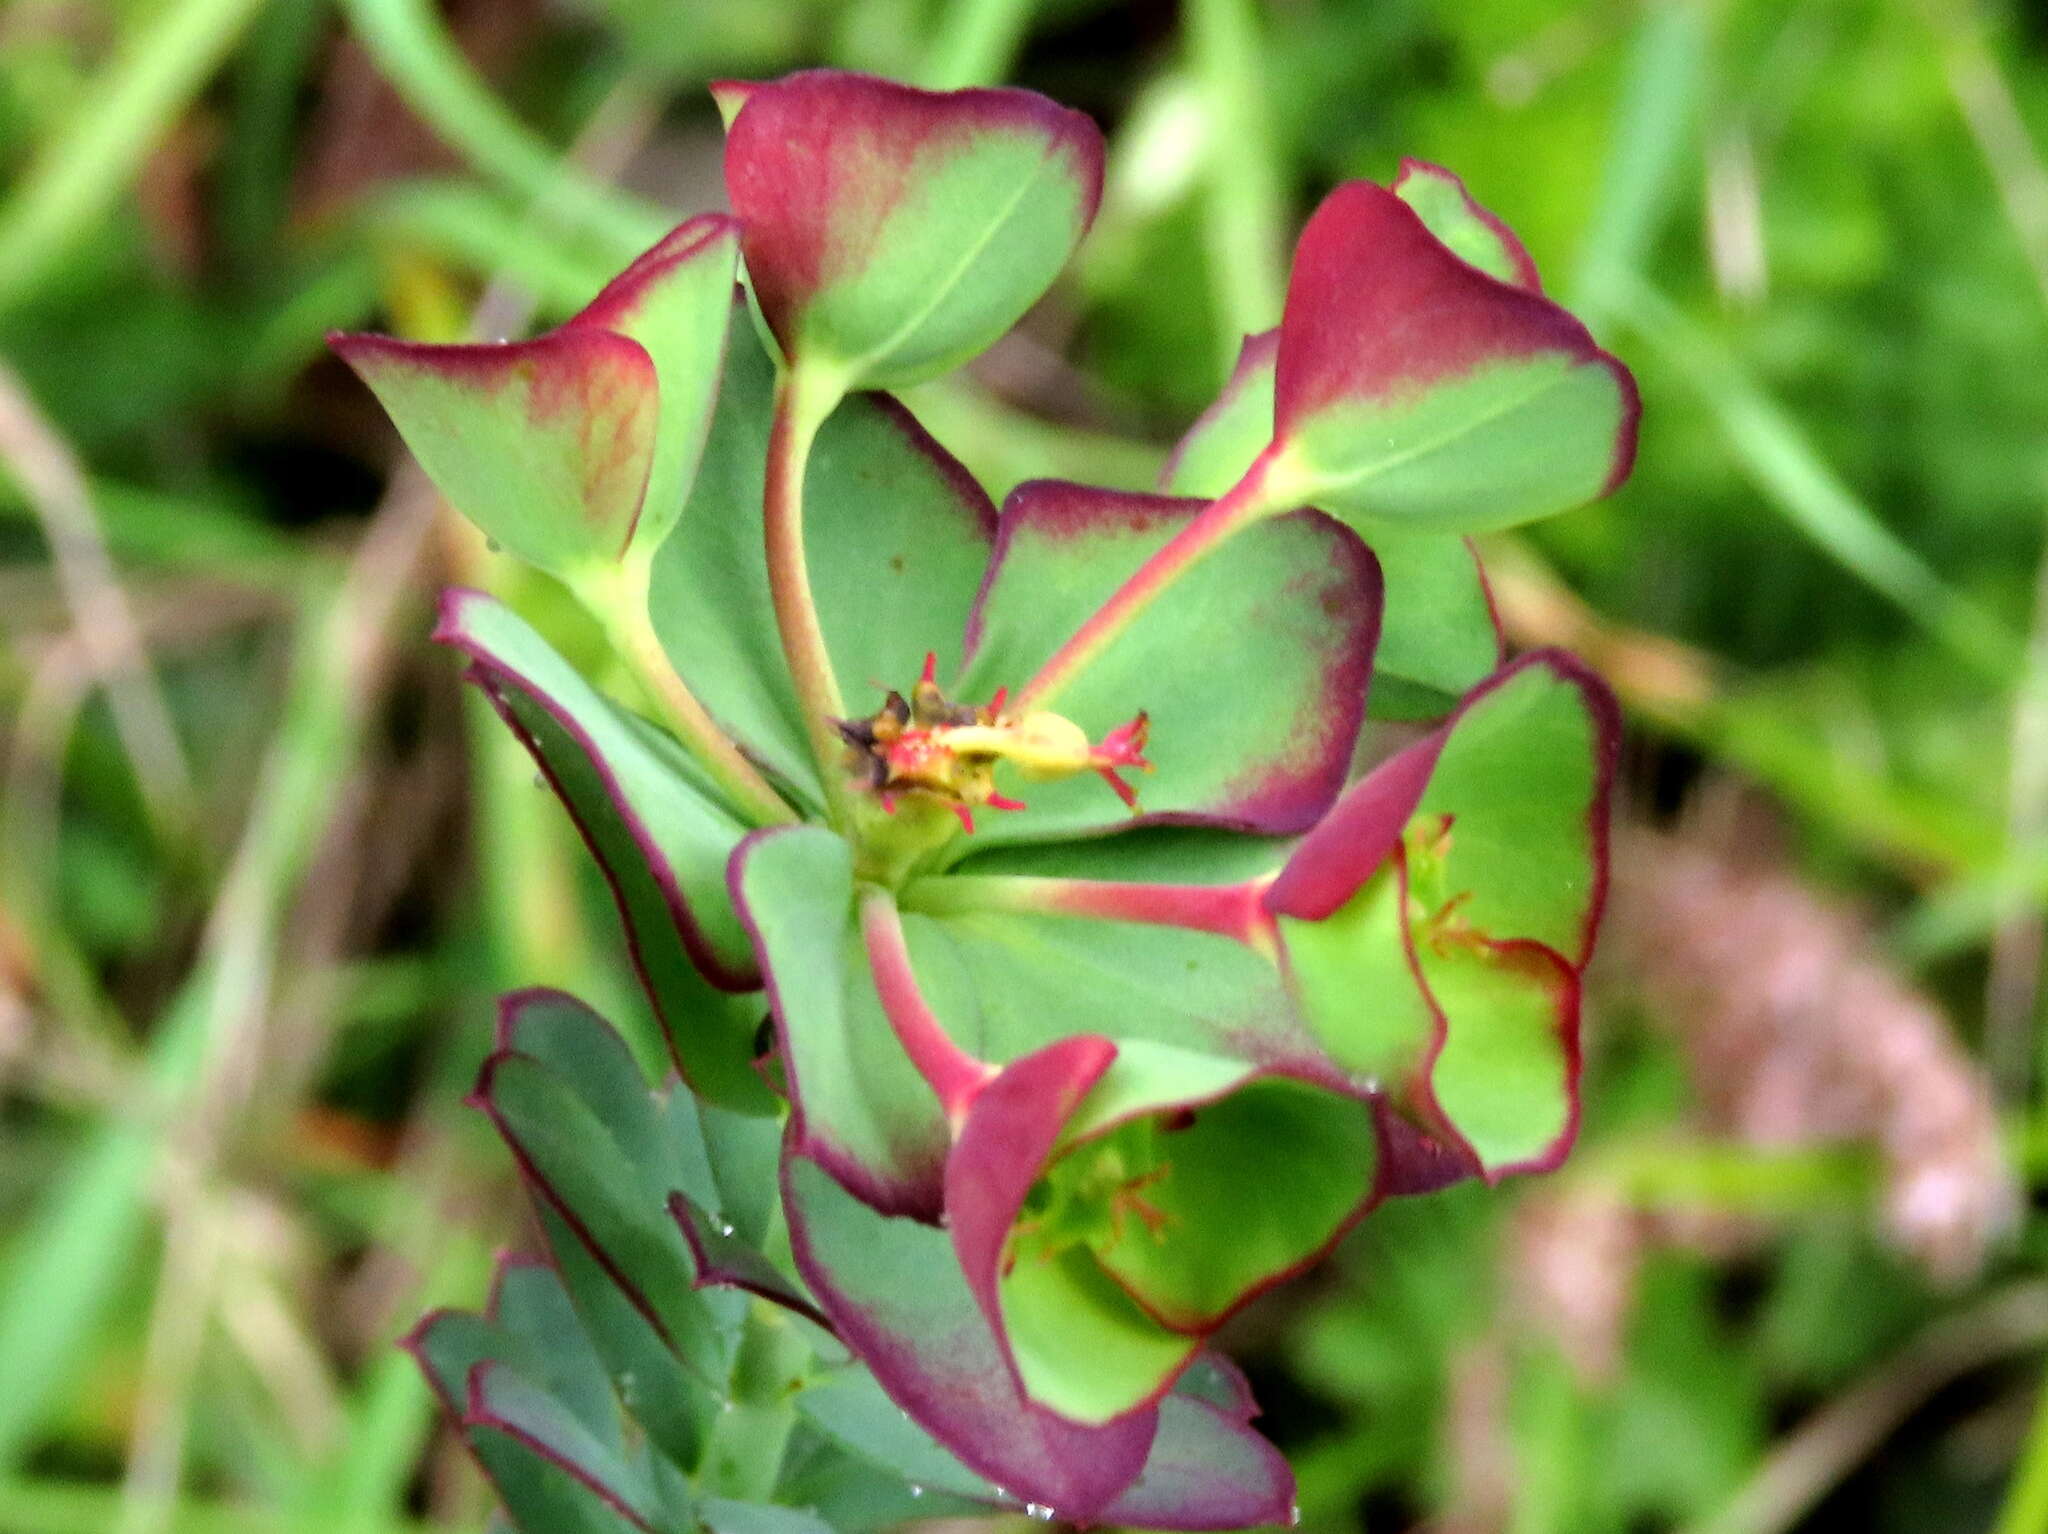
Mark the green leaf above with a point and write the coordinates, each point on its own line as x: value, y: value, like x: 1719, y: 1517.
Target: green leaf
x: 545, y: 444
x: 896, y: 537
x: 567, y: 448
x: 1251, y: 668
x: 1433, y: 927
x: 1414, y: 390
x: 1507, y: 1075
x: 723, y: 1517
x: 850, y: 1406
x: 892, y: 233
x: 1083, y: 1346
x: 1259, y: 1184
x: 676, y: 301
x: 614, y: 1205
x: 530, y: 1303
x: 673, y: 1402
x: 896, y: 1292
x: 1233, y: 431
x: 1006, y: 983
x: 1437, y: 631
x: 1354, y: 983
x: 659, y: 833
x: 548, y: 1431
x: 1439, y: 637
x: 1466, y: 229
x: 531, y: 1327
x: 862, y: 1109
x: 1523, y: 774
x: 552, y: 1472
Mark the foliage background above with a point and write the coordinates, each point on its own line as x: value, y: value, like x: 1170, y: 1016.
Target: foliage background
x: 262, y: 865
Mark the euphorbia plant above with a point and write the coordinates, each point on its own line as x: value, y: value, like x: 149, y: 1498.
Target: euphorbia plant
x: 1109, y: 987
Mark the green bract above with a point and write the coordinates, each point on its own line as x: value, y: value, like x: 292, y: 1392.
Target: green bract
x: 892, y: 233
x: 1106, y: 990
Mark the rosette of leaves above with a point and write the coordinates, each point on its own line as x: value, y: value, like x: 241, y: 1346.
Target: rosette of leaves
x: 1106, y: 991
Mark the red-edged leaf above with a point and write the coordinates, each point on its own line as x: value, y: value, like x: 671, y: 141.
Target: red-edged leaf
x: 1468, y: 230
x: 858, y: 1105
x: 1413, y: 389
x: 544, y: 444
x: 1439, y: 633
x: 1076, y: 1342
x: 659, y: 832
x: 1251, y: 668
x: 897, y: 1296
x: 891, y: 232
x: 676, y: 301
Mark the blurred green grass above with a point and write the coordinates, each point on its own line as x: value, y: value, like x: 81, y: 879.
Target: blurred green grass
x: 262, y: 866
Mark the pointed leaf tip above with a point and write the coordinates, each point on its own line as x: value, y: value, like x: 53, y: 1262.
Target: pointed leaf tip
x: 544, y: 444
x: 1413, y: 389
x: 892, y: 232
x: 565, y: 448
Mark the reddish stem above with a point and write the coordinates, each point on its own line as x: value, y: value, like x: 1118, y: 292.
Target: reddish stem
x: 953, y: 1074
x: 796, y: 421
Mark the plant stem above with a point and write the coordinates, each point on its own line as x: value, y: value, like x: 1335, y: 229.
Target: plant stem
x: 802, y: 401
x: 617, y: 596
x: 953, y: 1074
x: 1251, y: 498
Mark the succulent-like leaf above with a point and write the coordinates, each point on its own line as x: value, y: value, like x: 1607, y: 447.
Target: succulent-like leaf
x: 529, y: 1324
x: 891, y: 233
x: 676, y: 301
x: 1525, y: 771
x: 725, y: 1517
x: 514, y: 1422
x: 896, y: 534
x: 723, y: 1259
x: 1414, y: 389
x: 1465, y: 228
x: 894, y: 1290
x: 569, y: 447
x: 1251, y: 668
x: 859, y: 1493
x: 858, y: 1105
x: 543, y: 444
x: 852, y: 1408
x: 1438, y: 633
x: 1006, y: 983
x: 743, y: 1152
x: 574, y: 1476
x: 1234, y: 430
x: 1258, y: 1184
x: 1475, y: 862
x: 1441, y: 635
x: 1505, y: 1077
x: 1076, y: 1342
x: 666, y: 1364
x: 672, y: 1401
x: 1197, y: 1182
x: 609, y: 1190
x: 659, y: 833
